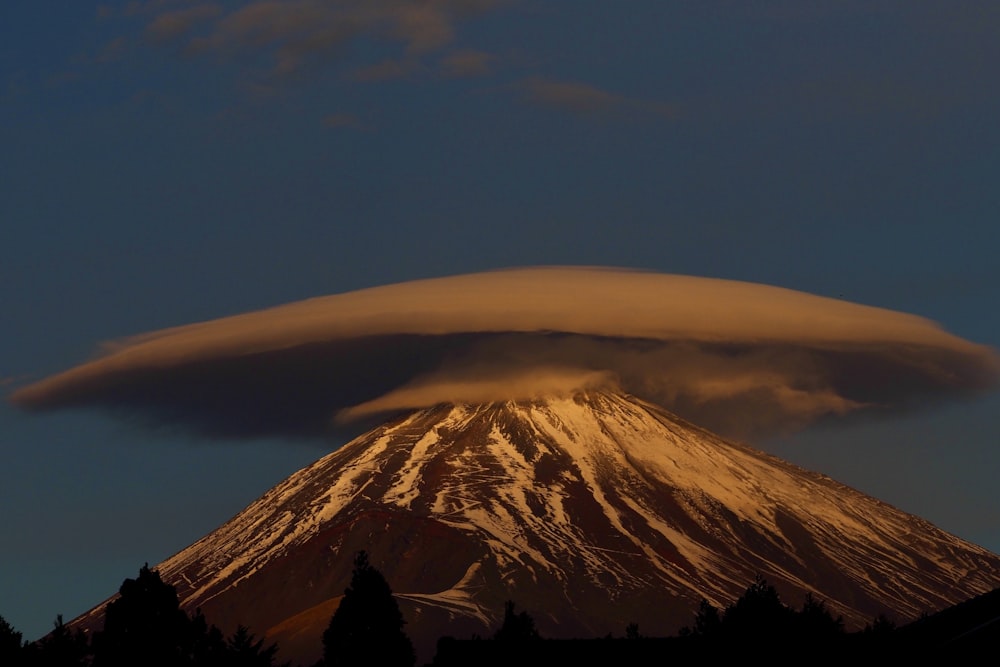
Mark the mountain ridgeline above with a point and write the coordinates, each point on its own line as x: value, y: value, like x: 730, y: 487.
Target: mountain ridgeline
x: 594, y: 511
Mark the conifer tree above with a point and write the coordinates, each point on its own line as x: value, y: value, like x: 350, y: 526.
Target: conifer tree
x: 143, y: 626
x: 367, y: 628
x: 759, y: 613
x: 707, y: 622
x: 60, y: 648
x: 517, y: 626
x: 11, y: 645
x: 245, y: 650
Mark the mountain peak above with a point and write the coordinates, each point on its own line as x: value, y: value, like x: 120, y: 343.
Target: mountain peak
x: 591, y: 509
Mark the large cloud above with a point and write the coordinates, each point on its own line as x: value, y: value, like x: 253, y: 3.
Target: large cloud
x: 737, y: 357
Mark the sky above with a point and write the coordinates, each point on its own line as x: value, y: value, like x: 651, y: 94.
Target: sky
x: 169, y: 162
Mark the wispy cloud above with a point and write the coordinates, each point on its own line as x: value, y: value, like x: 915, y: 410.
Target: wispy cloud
x: 177, y: 24
x: 467, y: 63
x: 11, y: 380
x: 342, y: 120
x: 733, y: 356
x: 385, y: 70
x: 298, y: 34
x: 584, y: 98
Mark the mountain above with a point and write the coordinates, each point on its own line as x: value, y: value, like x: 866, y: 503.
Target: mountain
x: 590, y: 512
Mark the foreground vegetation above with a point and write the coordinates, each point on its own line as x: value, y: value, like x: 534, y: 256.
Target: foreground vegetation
x: 144, y: 625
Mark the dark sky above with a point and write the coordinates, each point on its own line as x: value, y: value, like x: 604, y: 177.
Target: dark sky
x: 169, y: 161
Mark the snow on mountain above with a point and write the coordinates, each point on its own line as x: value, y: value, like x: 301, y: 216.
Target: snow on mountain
x: 590, y: 511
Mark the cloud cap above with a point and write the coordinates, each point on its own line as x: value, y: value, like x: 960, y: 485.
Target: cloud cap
x: 735, y: 356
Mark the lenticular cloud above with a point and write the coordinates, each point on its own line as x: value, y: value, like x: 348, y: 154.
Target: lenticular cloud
x: 733, y: 356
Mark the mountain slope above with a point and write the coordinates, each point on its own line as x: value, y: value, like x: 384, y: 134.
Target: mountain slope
x: 590, y: 512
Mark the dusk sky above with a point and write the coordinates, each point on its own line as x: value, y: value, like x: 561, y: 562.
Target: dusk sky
x: 171, y: 161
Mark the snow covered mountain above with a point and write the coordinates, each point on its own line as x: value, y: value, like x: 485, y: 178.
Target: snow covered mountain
x: 590, y: 512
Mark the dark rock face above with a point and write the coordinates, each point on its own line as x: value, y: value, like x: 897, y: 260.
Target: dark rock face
x: 591, y: 512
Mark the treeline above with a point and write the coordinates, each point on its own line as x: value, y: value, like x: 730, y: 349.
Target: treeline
x: 145, y: 626
x: 756, y: 626
x: 760, y: 621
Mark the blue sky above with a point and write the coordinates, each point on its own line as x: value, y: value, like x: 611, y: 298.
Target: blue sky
x: 171, y: 161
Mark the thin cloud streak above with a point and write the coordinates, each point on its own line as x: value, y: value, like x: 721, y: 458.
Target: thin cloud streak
x: 467, y: 63
x: 342, y: 120
x: 172, y: 25
x: 737, y: 357
x: 300, y: 33
x: 529, y: 384
x: 584, y: 98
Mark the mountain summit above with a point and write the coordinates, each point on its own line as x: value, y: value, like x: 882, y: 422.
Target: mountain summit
x: 590, y: 511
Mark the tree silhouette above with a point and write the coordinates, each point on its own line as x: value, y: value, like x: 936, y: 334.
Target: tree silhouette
x: 815, y: 622
x: 881, y: 625
x: 146, y: 626
x: 759, y: 613
x: 760, y: 621
x: 245, y: 650
x: 205, y: 645
x: 517, y: 626
x: 367, y: 628
x: 707, y: 622
x: 11, y: 645
x: 60, y: 648
x: 143, y: 626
